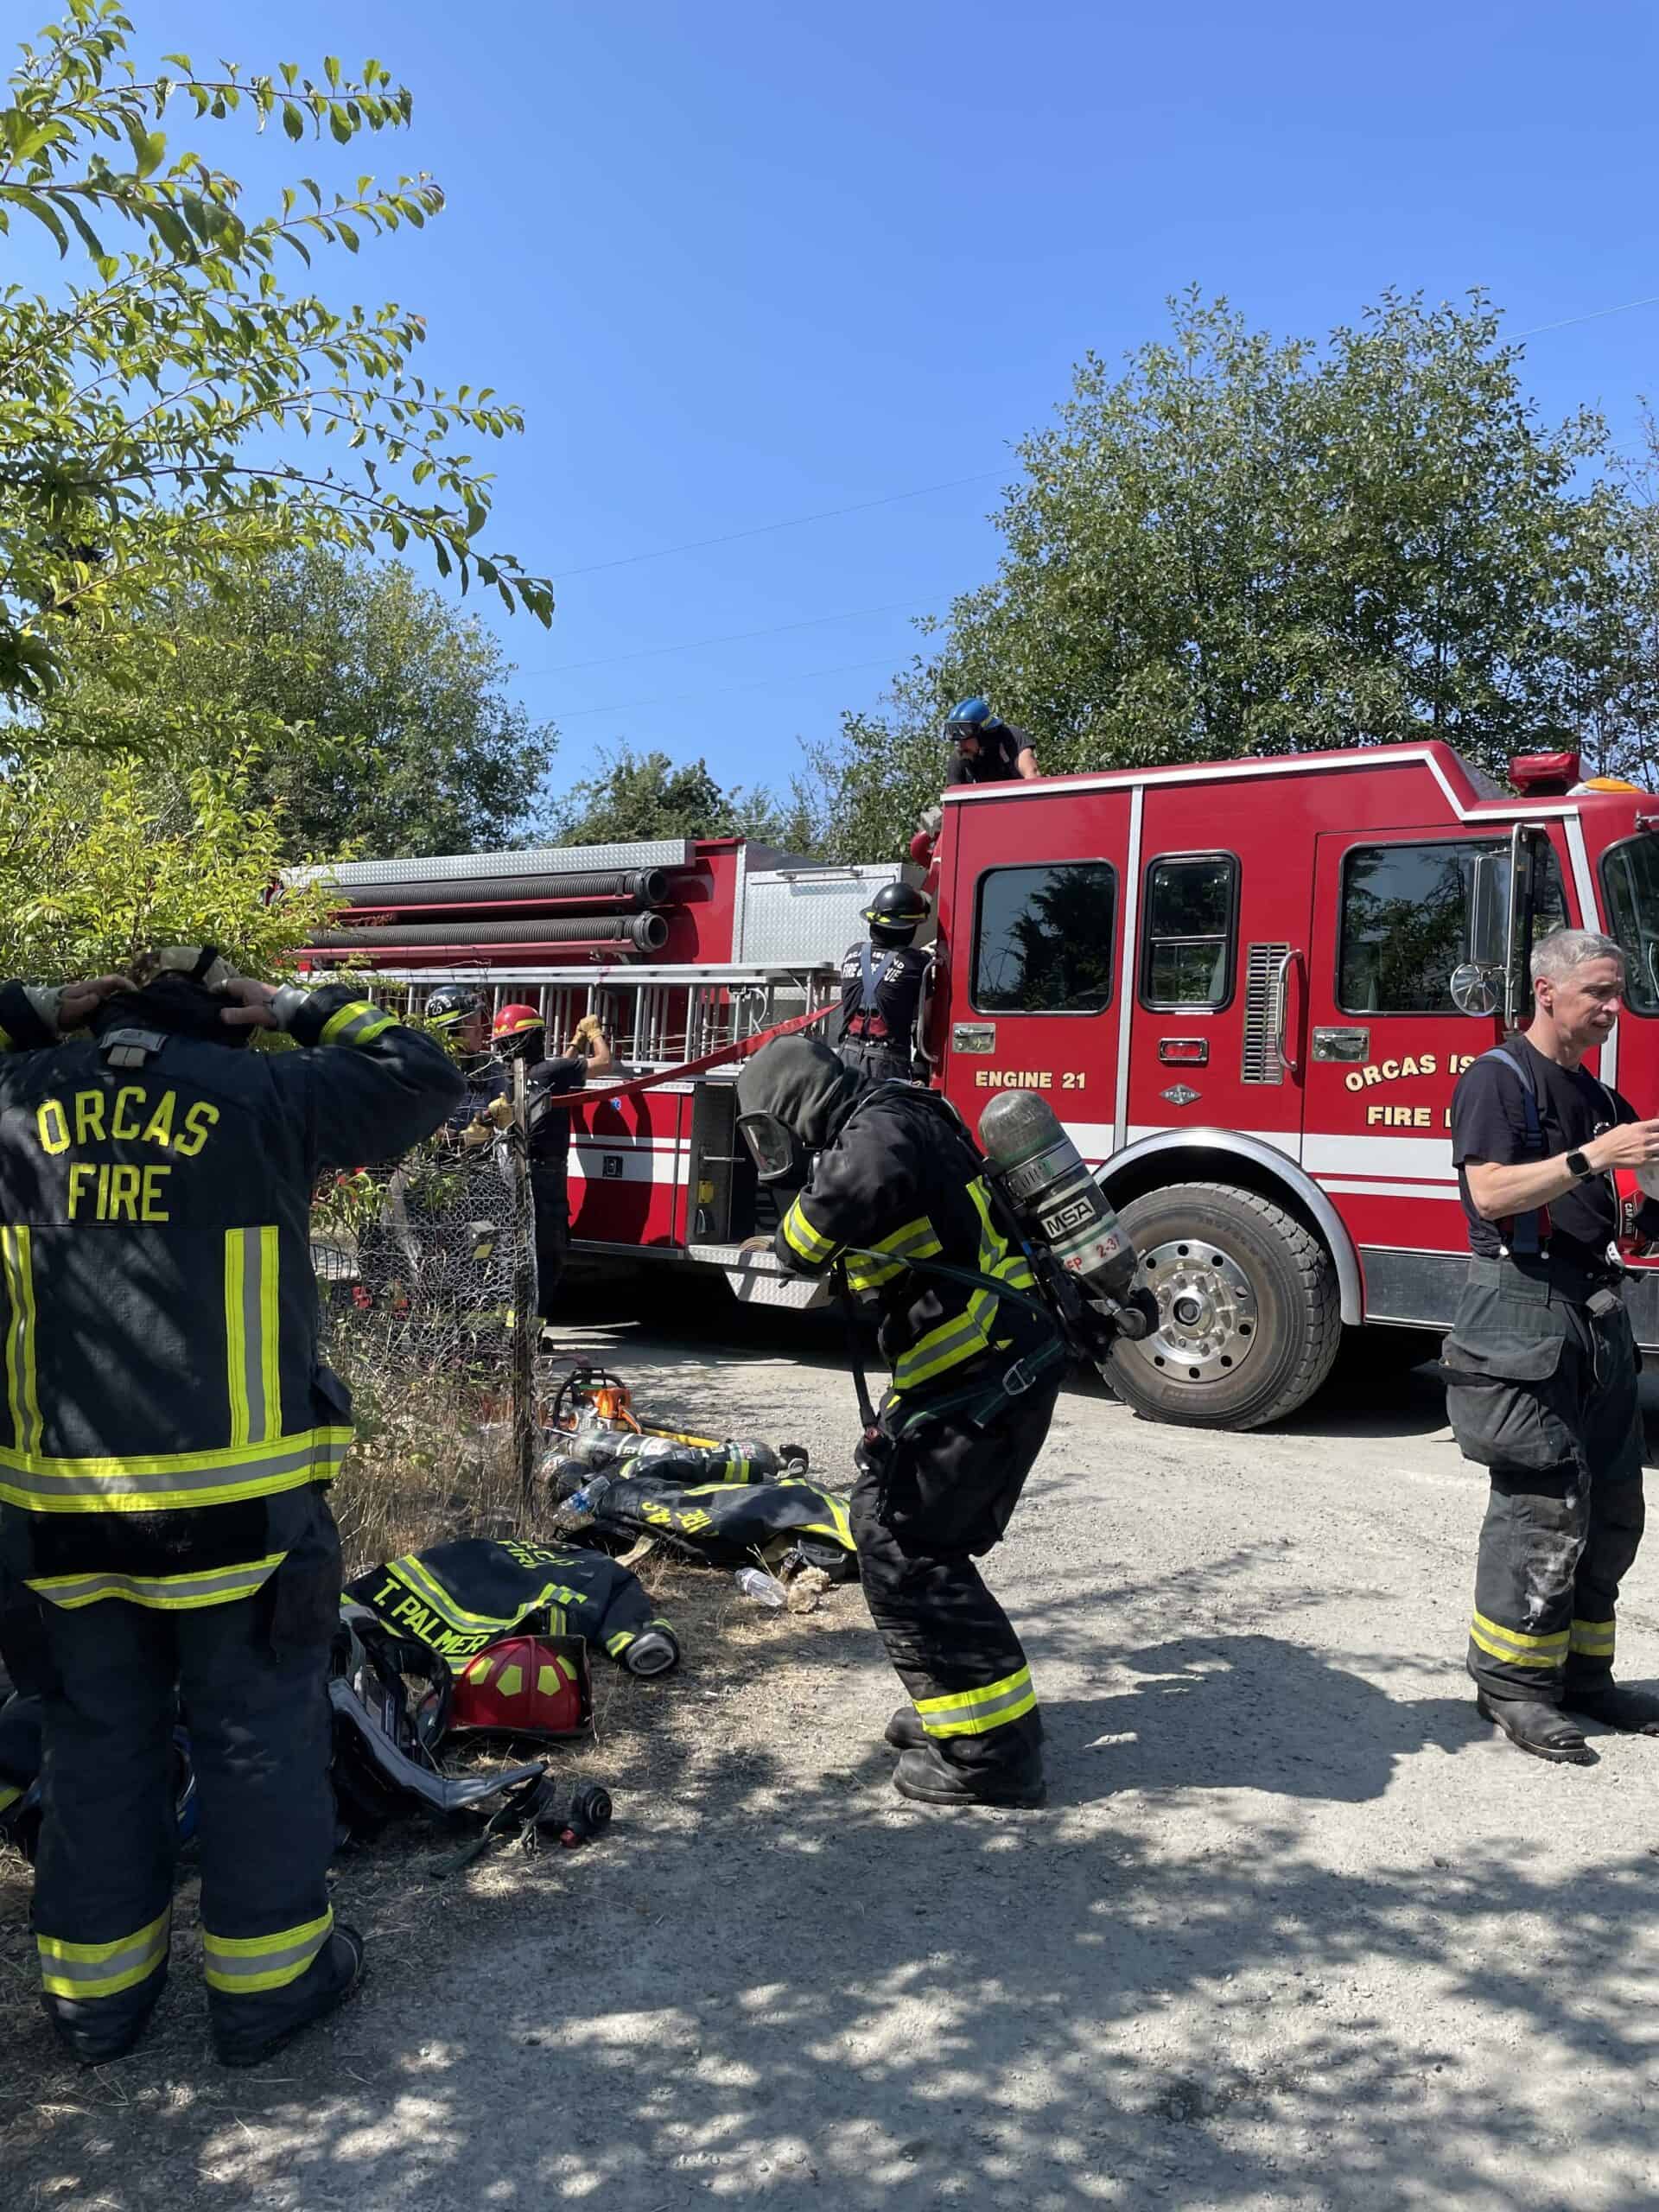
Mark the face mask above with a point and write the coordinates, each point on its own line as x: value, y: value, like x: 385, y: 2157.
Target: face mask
x: 774, y: 1147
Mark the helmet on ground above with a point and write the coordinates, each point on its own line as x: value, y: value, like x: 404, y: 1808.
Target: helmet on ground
x: 896, y: 913
x: 969, y: 718
x: 516, y: 1027
x: 453, y: 1003
x: 523, y: 1686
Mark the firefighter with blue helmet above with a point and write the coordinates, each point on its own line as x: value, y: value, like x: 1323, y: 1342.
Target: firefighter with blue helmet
x: 167, y: 1433
x: 984, y: 749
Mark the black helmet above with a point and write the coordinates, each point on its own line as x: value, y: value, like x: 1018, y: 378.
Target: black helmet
x: 453, y: 1003
x: 896, y: 913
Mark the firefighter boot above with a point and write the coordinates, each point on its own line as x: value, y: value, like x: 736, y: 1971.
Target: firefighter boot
x: 1543, y: 1730
x: 1633, y: 1713
x: 337, y: 1975
x: 929, y: 1777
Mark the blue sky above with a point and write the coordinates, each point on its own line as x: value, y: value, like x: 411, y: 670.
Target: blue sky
x: 745, y: 262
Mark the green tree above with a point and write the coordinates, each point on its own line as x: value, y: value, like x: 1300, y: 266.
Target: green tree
x: 97, y: 867
x: 154, y: 421
x: 649, y: 795
x: 381, y: 715
x: 1244, y: 544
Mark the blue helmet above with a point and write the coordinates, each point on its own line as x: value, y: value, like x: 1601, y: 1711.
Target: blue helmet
x: 970, y: 719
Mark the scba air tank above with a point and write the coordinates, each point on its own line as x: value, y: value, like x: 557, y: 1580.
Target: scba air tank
x: 1054, y: 1197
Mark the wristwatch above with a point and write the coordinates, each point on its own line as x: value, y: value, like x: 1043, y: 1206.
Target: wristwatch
x: 1579, y: 1166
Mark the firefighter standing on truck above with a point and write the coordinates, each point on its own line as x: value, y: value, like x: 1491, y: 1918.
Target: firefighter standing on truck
x: 520, y: 1033
x: 168, y: 1430
x: 974, y: 1376
x: 1541, y: 1362
x: 882, y: 984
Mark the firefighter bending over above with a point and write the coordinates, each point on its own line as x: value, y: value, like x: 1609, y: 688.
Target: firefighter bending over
x: 975, y: 1377
x: 168, y: 1432
x: 984, y: 749
x: 881, y: 982
x: 1540, y: 1363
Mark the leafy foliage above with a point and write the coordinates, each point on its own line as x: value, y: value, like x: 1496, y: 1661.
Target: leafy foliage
x: 381, y: 715
x: 95, y: 868
x: 150, y: 420
x: 1244, y: 544
x: 648, y: 795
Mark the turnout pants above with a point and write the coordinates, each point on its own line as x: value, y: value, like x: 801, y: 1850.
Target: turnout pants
x: 1542, y: 1390
x: 941, y: 1500
x: 878, y: 1059
x: 249, y: 1680
x: 549, y: 1191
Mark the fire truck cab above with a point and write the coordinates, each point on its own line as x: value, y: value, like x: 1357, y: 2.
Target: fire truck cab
x: 1249, y: 989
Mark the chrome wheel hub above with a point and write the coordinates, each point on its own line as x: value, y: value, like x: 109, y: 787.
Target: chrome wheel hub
x: 1206, y: 1312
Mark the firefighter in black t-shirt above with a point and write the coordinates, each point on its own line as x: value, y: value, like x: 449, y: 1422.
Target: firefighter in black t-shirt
x: 881, y: 982
x: 985, y: 750
x: 1540, y: 1364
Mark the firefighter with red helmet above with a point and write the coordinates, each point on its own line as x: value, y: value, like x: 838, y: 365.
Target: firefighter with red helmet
x: 168, y: 1432
x: 519, y: 1032
x: 881, y: 984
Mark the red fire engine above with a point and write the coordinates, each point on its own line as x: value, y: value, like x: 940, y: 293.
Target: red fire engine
x: 1247, y: 988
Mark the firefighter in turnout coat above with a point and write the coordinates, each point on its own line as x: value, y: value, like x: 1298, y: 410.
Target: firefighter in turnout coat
x: 975, y: 1375
x: 882, y: 984
x: 168, y: 1432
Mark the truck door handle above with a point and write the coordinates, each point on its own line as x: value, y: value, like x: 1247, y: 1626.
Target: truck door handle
x: 1281, y: 1011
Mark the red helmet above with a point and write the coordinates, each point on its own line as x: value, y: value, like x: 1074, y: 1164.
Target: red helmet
x: 524, y: 1686
x: 513, y: 1021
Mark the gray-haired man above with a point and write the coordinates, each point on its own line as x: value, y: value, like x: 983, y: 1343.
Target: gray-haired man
x: 1540, y: 1364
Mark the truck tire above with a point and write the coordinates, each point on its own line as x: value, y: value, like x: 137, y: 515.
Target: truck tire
x: 1248, y: 1303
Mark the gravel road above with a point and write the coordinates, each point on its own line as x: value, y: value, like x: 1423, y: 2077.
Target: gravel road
x: 1295, y: 1930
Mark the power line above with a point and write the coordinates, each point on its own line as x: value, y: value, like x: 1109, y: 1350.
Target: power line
x: 763, y: 529
x: 674, y: 698
x: 1595, y: 315
x: 732, y: 638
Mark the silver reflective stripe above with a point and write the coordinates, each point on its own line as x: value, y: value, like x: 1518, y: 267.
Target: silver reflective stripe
x: 19, y: 1268
x: 174, y: 1592
x: 252, y: 1339
x: 90, y: 1970
x: 246, y: 1965
x: 944, y: 1723
x: 247, y: 1475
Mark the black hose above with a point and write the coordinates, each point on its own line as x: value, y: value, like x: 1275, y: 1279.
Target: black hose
x: 625, y: 887
x: 644, y: 932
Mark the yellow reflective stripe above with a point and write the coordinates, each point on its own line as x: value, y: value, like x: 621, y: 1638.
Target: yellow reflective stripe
x: 963, y: 1336
x: 245, y: 1965
x: 800, y: 1236
x: 89, y: 1970
x: 997, y: 1257
x: 873, y: 1278
x: 236, y: 1333
x: 356, y: 1023
x: 6, y: 1044
x: 1555, y: 1641
x: 9, y: 1796
x: 253, y: 1335
x: 171, y: 1593
x: 17, y: 1257
x: 177, y: 1479
x: 415, y: 1577
x: 270, y: 1407
x: 617, y: 1644
x: 916, y: 1240
x: 976, y: 1712
x: 1594, y: 1638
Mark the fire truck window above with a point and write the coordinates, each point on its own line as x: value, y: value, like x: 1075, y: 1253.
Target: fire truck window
x: 1630, y: 877
x: 1187, y: 957
x: 1406, y: 920
x: 1044, y: 939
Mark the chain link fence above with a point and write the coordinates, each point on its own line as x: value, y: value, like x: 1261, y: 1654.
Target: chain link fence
x: 426, y: 1271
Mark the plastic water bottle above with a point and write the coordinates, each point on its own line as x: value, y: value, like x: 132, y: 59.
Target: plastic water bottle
x: 764, y: 1589
x: 590, y: 1497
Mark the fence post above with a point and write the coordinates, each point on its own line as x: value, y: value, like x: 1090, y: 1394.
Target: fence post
x: 526, y: 1322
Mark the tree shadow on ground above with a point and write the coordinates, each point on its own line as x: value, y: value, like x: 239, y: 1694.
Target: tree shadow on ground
x: 779, y: 1983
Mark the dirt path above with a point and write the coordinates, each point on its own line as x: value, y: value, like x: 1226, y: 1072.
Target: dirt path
x: 1295, y: 1930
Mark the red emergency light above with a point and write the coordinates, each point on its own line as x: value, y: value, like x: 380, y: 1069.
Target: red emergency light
x: 1544, y: 775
